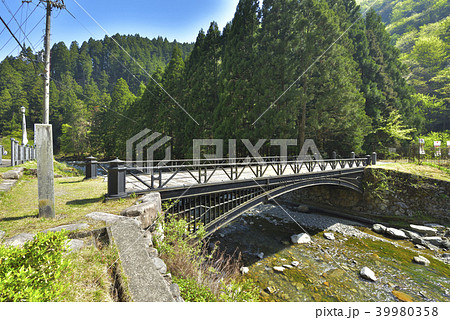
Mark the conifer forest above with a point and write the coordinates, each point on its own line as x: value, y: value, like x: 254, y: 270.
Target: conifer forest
x: 349, y: 78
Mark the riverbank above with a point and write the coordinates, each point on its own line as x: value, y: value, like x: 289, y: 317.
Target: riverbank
x: 329, y: 270
x: 395, y: 194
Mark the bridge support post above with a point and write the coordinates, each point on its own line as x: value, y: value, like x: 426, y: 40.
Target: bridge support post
x: 374, y: 158
x: 117, y: 179
x: 352, y: 155
x: 91, y: 168
x: 368, y: 160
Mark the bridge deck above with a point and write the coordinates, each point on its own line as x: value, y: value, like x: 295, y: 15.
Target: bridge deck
x: 177, y: 177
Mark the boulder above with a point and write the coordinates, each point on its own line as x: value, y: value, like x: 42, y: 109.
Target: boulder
x: 19, y: 240
x: 300, y: 238
x: 303, y: 208
x: 396, y: 233
x: 279, y: 269
x: 295, y: 263
x: 446, y: 244
x: 421, y: 260
x: 149, y: 197
x: 437, y: 241
x: 106, y: 217
x: 14, y: 174
x: 411, y: 234
x: 147, y: 211
x: 379, y: 228
x: 159, y: 264
x: 425, y: 243
x: 2, y: 234
x: 329, y: 236
x: 368, y: 274
x: 244, y: 270
x: 428, y: 231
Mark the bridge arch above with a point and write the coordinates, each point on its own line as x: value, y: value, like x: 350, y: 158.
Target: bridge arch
x: 237, y: 211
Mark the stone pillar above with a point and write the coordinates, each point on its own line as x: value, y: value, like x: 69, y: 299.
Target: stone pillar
x: 374, y: 158
x: 91, y: 168
x: 352, y: 155
x: 368, y: 160
x: 44, y: 155
x: 117, y: 179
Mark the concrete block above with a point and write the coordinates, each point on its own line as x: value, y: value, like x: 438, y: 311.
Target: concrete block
x: 147, y: 211
x: 145, y: 283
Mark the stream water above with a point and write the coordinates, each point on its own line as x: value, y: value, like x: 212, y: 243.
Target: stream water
x: 329, y: 270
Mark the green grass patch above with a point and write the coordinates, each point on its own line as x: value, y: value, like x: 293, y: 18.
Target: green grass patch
x: 74, y: 198
x: 424, y: 170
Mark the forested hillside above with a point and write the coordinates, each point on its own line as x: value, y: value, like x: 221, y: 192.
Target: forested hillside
x: 82, y: 80
x: 420, y: 29
x: 275, y: 71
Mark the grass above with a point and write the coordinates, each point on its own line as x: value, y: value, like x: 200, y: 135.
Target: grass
x: 93, y: 269
x: 74, y: 198
x: 424, y: 170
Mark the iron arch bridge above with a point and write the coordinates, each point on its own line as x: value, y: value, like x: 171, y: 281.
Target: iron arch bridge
x: 214, y: 192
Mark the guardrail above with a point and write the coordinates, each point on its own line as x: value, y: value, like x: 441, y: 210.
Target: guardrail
x: 157, y: 175
x: 21, y: 153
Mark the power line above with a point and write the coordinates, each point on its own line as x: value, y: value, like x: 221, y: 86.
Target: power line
x: 11, y: 18
x: 20, y: 24
x: 6, y: 43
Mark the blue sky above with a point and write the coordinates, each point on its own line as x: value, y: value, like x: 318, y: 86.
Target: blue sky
x: 173, y: 19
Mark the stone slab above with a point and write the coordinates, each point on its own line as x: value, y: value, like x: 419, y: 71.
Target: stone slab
x: 6, y: 185
x: 19, y: 240
x: 108, y: 218
x: 68, y: 227
x: 145, y: 282
x: 14, y: 174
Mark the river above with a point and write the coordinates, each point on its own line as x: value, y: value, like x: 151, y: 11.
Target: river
x: 329, y: 270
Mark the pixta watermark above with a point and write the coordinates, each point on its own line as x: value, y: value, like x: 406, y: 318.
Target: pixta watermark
x: 142, y: 148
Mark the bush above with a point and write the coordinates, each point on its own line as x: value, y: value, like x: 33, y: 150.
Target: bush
x: 192, y: 291
x: 34, y: 272
x: 202, y: 274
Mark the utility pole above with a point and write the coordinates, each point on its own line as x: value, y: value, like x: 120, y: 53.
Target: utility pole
x: 43, y: 132
x: 50, y: 4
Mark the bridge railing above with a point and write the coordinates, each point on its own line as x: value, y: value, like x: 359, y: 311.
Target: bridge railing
x: 159, y: 174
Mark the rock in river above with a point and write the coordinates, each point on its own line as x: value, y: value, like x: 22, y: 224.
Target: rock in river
x: 368, y: 274
x: 379, y: 228
x: 399, y: 234
x: 279, y: 269
x: 424, y: 230
x: 421, y: 260
x: 329, y: 236
x: 244, y: 270
x: 300, y: 238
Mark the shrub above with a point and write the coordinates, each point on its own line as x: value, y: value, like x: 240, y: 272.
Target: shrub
x: 34, y: 271
x: 202, y: 274
x: 192, y: 291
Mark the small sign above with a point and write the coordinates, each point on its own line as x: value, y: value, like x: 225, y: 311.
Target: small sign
x: 421, y: 146
x: 437, y: 148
